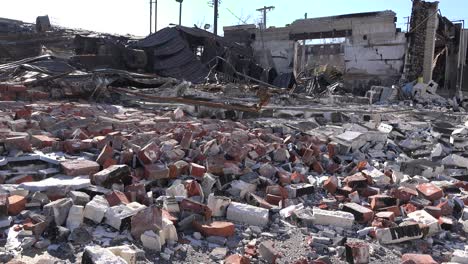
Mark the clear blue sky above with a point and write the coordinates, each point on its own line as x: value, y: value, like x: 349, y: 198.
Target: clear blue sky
x: 132, y: 16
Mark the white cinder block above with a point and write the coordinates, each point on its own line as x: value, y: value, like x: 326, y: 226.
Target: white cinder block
x: 248, y: 214
x: 399, y: 234
x: 75, y: 217
x: 96, y: 209
x: 424, y: 217
x: 151, y: 240
x: 218, y: 204
x: 334, y: 218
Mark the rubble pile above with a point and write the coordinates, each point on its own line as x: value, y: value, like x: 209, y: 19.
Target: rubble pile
x: 99, y: 183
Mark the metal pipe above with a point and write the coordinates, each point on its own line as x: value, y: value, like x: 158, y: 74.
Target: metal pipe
x: 155, y: 16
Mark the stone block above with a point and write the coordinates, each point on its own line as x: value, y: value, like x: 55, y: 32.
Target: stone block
x: 58, y: 210
x: 399, y: 234
x: 75, y: 217
x: 334, y: 218
x: 96, y: 209
x: 248, y: 214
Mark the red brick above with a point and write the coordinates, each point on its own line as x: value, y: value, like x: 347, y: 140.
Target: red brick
x: 357, y: 180
x: 19, y: 143
x: 404, y: 194
x: 395, y: 209
x: 430, y: 191
x: 16, y: 204
x: 109, y: 162
x: 75, y: 146
x: 80, y: 167
x: 106, y: 153
x: 149, y: 154
x: 317, y: 167
x: 357, y: 252
x: 382, y: 201
x: 216, y: 228
x: 178, y: 169
x: 116, y: 197
x: 435, y: 211
x: 193, y: 188
x: 386, y: 215
x: 23, y: 114
x: 331, y: 184
x: 156, y: 171
x: 186, y: 141
x: 417, y: 259
x: 215, y: 164
x: 43, y: 141
x: 445, y: 208
x: 13, y: 88
x: 361, y: 214
x: 309, y: 157
x: 236, y: 259
x: 197, y: 170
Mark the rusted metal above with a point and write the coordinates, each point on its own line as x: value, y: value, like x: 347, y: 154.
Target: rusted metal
x: 252, y: 109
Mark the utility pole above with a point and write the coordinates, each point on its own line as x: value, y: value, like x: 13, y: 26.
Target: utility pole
x: 215, y: 23
x: 180, y: 11
x: 155, y: 16
x: 155, y: 2
x: 264, y: 10
x: 151, y: 17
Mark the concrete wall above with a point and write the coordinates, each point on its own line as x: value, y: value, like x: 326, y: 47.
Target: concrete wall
x: 324, y: 54
x: 282, y: 53
x: 373, y: 49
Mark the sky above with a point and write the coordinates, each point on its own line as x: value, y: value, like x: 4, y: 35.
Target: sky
x: 132, y: 16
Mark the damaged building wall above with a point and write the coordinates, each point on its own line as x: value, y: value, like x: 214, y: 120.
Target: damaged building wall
x: 324, y: 54
x: 374, y: 48
x: 423, y: 26
x: 272, y: 47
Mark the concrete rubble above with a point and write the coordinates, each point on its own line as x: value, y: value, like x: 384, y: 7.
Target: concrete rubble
x: 114, y: 166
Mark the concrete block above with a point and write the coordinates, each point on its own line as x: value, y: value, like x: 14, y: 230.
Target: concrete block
x: 126, y: 252
x: 79, y: 198
x: 399, y: 234
x: 99, y: 255
x: 334, y: 218
x: 151, y: 240
x: 75, y: 217
x: 96, y: 209
x: 268, y: 252
x: 423, y: 217
x: 58, y: 210
x: 119, y: 216
x: 247, y: 214
x: 218, y: 204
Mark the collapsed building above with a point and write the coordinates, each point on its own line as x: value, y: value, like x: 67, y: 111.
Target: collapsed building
x: 183, y: 147
x: 368, y: 47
